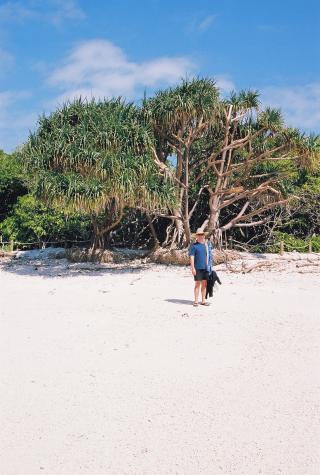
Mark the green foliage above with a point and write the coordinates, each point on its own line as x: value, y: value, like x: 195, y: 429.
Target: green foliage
x: 89, y: 154
x: 32, y: 221
x: 315, y: 241
x: 98, y: 158
x: 305, y: 215
x: 312, y: 184
x: 189, y: 101
x: 12, y: 183
x: 244, y: 100
x: 175, y: 113
x: 293, y: 243
x: 271, y: 119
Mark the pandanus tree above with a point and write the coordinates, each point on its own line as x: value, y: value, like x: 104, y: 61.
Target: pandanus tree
x: 95, y: 157
x: 225, y: 150
x: 246, y: 163
x: 179, y: 117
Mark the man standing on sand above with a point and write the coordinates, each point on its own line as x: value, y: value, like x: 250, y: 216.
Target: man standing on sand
x: 201, y: 262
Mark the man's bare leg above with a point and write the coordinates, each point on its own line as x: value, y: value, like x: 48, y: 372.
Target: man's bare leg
x: 203, y: 291
x: 196, y: 290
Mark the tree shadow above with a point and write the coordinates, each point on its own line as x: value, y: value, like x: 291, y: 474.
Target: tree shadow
x: 259, y: 255
x: 53, y: 268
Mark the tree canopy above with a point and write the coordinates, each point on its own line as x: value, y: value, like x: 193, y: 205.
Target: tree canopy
x: 95, y: 156
x: 186, y: 158
x: 223, y: 149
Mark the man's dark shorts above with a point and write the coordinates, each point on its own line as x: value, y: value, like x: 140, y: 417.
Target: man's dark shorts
x: 201, y: 274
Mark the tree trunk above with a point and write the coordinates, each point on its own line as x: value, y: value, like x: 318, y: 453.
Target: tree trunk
x: 186, y: 223
x: 213, y: 221
x: 112, y: 219
x: 178, y: 226
x: 153, y: 232
x: 215, y: 198
x: 98, y: 239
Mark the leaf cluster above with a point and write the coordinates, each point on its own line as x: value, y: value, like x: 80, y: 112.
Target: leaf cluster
x: 87, y: 154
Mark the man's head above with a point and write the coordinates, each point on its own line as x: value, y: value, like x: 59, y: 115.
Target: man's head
x: 200, y: 235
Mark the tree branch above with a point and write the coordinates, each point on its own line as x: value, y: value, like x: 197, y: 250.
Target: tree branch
x: 197, y: 201
x: 253, y: 213
x: 254, y: 223
x: 164, y: 168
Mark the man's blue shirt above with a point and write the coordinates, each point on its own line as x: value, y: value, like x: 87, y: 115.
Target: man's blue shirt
x: 198, y: 250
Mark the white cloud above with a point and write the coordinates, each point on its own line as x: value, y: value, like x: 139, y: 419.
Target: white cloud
x: 206, y: 23
x: 66, y: 10
x: 98, y: 68
x: 15, y: 121
x: 7, y: 99
x: 6, y: 61
x: 200, y: 23
x: 300, y: 104
x: 224, y: 83
x: 16, y: 11
x: 51, y: 11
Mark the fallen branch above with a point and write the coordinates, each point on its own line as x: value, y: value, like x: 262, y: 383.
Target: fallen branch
x: 245, y: 269
x: 308, y: 264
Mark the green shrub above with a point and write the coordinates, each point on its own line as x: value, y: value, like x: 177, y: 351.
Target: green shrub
x: 32, y: 221
x: 12, y: 183
x: 315, y: 240
x: 292, y: 243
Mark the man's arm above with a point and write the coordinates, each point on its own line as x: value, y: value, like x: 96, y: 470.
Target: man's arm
x: 193, y: 270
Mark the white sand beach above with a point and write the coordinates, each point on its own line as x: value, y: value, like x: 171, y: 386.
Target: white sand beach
x: 110, y: 370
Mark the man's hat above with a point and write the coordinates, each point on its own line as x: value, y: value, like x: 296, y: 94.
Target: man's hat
x: 199, y: 231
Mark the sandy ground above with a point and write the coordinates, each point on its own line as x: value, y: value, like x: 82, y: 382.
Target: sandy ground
x: 112, y: 371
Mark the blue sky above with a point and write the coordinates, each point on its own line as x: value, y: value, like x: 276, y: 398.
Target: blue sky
x: 53, y: 50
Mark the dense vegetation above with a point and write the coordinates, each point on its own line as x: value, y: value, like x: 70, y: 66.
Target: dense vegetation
x: 110, y: 172
x: 26, y: 219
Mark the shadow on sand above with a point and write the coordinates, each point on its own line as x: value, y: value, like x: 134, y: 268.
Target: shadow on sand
x: 53, y: 268
x: 180, y: 301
